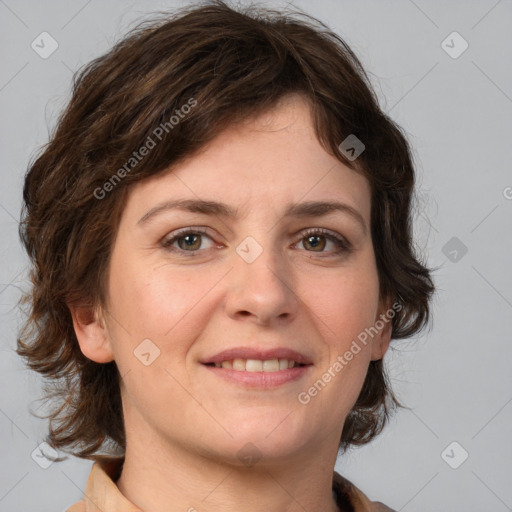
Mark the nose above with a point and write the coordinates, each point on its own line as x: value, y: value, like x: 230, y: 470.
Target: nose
x: 261, y: 290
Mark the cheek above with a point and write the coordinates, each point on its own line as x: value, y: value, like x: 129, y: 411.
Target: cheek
x: 156, y: 304
x: 157, y: 317
x: 344, y: 305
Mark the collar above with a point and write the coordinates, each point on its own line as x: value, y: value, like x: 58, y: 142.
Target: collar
x: 102, y: 494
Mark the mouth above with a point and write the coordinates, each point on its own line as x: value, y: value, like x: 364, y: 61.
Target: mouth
x: 257, y: 365
x: 258, y: 368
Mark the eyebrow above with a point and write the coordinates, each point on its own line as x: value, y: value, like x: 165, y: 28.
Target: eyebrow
x: 300, y: 210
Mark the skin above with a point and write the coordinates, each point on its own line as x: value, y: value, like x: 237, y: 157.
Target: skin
x: 185, y: 425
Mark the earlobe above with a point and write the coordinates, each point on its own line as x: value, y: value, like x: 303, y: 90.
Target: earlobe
x: 92, y: 333
x: 382, y: 340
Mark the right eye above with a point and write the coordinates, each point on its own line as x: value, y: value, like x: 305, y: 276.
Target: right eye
x: 189, y: 240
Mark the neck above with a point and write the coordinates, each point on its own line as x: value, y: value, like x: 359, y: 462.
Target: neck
x: 172, y: 479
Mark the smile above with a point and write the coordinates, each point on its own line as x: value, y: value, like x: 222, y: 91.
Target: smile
x: 257, y: 365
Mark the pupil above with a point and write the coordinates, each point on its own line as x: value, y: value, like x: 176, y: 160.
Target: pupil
x: 313, y: 244
x: 313, y: 238
x: 190, y: 240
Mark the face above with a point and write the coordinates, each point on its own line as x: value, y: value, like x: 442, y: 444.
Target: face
x: 262, y: 281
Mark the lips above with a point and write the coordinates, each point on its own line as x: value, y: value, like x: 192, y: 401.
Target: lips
x: 246, y: 353
x: 258, y: 369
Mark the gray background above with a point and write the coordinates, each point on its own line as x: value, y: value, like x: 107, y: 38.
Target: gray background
x: 457, y: 114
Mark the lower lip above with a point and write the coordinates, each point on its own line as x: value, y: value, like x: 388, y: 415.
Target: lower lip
x: 260, y: 379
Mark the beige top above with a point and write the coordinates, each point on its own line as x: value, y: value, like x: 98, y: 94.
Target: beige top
x: 102, y: 495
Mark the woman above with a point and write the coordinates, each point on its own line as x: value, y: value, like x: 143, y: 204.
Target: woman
x: 221, y: 242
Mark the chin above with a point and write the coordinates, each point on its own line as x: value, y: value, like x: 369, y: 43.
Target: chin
x: 260, y: 440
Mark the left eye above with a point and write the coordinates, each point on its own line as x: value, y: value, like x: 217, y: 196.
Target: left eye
x: 312, y: 236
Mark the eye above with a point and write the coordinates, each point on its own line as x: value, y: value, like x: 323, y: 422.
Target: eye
x: 313, y: 237
x: 188, y: 240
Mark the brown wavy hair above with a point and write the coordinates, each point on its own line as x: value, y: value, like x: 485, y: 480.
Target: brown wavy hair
x: 234, y: 64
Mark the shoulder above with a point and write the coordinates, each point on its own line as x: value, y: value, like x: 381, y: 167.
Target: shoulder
x: 351, y: 496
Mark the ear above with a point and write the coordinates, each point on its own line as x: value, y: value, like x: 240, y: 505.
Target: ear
x: 383, y: 322
x: 92, y: 333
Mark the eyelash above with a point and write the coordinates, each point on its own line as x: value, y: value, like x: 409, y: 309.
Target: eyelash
x: 343, y: 246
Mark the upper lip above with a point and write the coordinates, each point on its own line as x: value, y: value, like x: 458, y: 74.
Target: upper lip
x: 254, y: 353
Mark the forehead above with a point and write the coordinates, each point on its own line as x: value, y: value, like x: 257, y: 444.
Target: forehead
x: 268, y: 162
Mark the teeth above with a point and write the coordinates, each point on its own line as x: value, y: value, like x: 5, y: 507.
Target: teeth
x: 256, y: 365
x: 253, y: 365
x: 239, y: 364
x: 271, y: 365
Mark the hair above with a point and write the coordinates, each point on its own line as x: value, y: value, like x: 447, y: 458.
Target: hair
x: 207, y: 66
